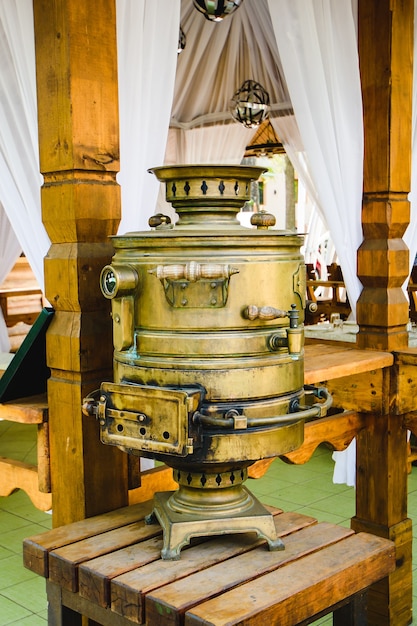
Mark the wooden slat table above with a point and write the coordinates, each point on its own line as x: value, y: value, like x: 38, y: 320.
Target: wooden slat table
x: 35, y: 480
x: 323, y: 362
x: 109, y: 569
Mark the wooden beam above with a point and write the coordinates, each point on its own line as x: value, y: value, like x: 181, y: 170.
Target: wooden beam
x: 76, y: 61
x: 386, y: 64
x: 386, y: 35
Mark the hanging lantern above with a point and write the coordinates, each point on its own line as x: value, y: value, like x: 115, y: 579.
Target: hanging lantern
x: 216, y: 10
x: 250, y: 104
x: 181, y: 41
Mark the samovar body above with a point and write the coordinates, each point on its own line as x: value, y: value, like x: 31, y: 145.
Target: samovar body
x: 208, y: 351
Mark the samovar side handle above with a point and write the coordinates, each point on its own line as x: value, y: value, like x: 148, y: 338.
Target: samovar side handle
x: 237, y: 421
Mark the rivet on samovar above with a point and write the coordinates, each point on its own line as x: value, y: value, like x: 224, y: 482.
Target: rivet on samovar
x: 208, y: 352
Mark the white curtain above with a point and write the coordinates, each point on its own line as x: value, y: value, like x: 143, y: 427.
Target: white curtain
x: 20, y: 209
x: 19, y: 161
x: 410, y: 236
x: 318, y: 48
x: 218, y: 144
x: 147, y: 41
x: 216, y: 61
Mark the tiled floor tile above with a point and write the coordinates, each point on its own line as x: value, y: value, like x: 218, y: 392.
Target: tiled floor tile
x: 13, y: 539
x: 32, y: 620
x: 12, y: 572
x: 30, y: 594
x: 11, y: 613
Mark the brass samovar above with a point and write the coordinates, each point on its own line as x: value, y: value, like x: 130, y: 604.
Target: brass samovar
x: 208, y: 352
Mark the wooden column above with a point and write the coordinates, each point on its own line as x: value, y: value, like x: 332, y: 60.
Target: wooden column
x: 76, y: 64
x: 386, y: 61
x: 386, y: 65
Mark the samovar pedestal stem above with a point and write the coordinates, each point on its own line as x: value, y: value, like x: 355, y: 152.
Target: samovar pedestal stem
x: 218, y: 508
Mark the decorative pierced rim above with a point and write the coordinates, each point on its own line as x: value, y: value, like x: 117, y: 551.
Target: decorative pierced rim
x: 207, y: 189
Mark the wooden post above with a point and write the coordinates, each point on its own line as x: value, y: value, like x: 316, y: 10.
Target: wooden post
x: 386, y: 64
x: 386, y: 60
x: 76, y: 64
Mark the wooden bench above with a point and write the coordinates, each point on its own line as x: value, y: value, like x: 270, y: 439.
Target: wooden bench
x: 23, y: 400
x: 21, y: 301
x: 21, y: 305
x: 35, y: 480
x: 108, y: 568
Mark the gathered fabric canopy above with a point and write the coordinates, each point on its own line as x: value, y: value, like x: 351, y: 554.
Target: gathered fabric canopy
x: 175, y: 108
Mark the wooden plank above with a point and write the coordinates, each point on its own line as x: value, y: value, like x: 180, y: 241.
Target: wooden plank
x: 128, y: 591
x: 406, y: 356
x: 95, y: 575
x: 367, y: 394
x: 19, y: 291
x: 97, y: 615
x: 42, y: 450
x: 31, y: 410
x: 64, y: 562
x: 324, y: 362
x: 173, y: 600
x: 406, y: 391
x: 296, y: 591
x: 19, y: 475
x: 36, y: 548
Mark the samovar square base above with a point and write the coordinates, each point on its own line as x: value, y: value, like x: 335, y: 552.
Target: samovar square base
x: 179, y: 527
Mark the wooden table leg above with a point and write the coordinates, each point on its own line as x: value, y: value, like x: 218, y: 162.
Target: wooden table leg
x: 354, y: 613
x: 59, y: 615
x: 381, y: 509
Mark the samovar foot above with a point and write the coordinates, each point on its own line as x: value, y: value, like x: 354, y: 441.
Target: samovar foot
x: 179, y: 527
x: 151, y: 519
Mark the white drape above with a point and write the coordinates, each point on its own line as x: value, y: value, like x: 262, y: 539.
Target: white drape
x: 20, y: 210
x: 410, y: 236
x: 317, y: 44
x: 216, y: 61
x: 147, y: 41
x: 223, y: 143
x: 19, y: 161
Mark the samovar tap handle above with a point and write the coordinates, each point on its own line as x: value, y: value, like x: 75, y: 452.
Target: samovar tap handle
x: 253, y: 312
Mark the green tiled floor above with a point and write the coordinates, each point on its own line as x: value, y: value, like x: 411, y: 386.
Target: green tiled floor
x: 22, y: 593
x: 306, y: 488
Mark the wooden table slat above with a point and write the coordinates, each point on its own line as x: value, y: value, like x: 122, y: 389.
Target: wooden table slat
x: 173, y: 600
x: 229, y: 579
x: 64, y: 562
x: 128, y: 591
x: 324, y: 362
x: 36, y: 549
x: 298, y: 590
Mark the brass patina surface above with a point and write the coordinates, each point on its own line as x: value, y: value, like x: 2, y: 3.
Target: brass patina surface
x: 208, y: 361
